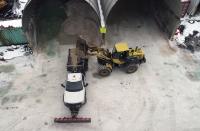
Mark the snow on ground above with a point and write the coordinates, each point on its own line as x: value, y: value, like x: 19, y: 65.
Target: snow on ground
x: 19, y: 6
x: 11, y: 23
x: 10, y: 52
x: 191, y: 24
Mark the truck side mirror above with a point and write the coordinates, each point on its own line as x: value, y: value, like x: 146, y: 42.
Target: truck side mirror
x: 62, y: 85
x: 86, y: 84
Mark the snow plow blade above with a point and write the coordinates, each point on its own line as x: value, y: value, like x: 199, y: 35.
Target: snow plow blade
x: 72, y: 120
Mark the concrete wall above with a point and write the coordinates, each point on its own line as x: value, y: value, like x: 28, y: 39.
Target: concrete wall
x: 94, y: 5
x: 193, y: 6
x: 107, y: 6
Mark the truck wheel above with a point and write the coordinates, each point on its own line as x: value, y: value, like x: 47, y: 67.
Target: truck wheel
x: 104, y: 71
x: 85, y: 100
x: 144, y: 60
x: 131, y: 68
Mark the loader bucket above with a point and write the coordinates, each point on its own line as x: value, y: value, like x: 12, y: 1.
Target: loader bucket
x: 72, y: 120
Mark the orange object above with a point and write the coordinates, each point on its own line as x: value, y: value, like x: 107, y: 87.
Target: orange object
x: 3, y: 3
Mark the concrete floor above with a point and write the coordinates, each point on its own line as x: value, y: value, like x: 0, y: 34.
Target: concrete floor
x: 163, y: 95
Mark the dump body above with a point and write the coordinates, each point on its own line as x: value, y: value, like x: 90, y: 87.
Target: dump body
x: 77, y: 61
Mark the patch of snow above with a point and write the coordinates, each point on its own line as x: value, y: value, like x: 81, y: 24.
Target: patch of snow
x: 189, y: 28
x: 196, y: 56
x: 19, y: 6
x: 10, y: 52
x: 11, y: 23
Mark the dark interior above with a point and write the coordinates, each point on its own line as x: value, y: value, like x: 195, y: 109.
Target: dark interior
x: 62, y: 20
x: 198, y: 9
x: 164, y: 14
x: 129, y: 8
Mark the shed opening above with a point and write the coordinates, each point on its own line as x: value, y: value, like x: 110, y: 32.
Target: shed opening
x: 165, y: 13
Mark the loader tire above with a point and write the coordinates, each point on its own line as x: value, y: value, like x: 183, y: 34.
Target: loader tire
x: 131, y: 68
x: 104, y: 71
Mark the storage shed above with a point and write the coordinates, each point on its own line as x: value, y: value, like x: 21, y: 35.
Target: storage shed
x: 167, y: 14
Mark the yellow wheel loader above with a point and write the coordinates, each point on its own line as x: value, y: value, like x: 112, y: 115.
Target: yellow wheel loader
x: 75, y: 92
x: 121, y: 56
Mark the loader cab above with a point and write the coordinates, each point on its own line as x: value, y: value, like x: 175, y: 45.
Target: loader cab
x: 137, y: 52
x: 119, y: 53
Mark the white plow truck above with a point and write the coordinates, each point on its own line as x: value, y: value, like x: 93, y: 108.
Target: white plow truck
x: 75, y: 93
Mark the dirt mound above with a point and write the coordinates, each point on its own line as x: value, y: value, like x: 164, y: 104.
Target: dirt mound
x: 80, y: 21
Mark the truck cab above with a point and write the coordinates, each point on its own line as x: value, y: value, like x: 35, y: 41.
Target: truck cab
x: 74, y: 89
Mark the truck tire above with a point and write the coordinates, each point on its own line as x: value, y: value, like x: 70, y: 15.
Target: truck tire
x: 104, y: 71
x: 131, y: 68
x: 85, y: 99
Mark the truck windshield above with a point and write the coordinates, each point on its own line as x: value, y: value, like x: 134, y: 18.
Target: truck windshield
x: 74, y: 86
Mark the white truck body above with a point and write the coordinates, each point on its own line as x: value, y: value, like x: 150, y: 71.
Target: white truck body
x: 72, y: 96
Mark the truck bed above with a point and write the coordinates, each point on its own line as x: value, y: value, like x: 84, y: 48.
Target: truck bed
x: 77, y: 61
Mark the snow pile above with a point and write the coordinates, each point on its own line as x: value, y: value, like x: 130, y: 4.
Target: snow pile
x: 19, y: 6
x: 10, y: 52
x: 11, y: 23
x: 13, y: 10
x: 188, y: 33
x: 16, y: 12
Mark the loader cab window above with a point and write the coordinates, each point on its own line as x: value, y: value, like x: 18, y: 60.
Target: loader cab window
x: 115, y: 54
x: 74, y: 86
x: 119, y: 55
x: 114, y: 50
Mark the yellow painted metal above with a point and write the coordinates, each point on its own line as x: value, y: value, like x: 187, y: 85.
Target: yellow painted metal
x: 109, y: 66
x: 121, y: 47
x: 136, y: 52
x: 103, y: 30
x: 117, y: 61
